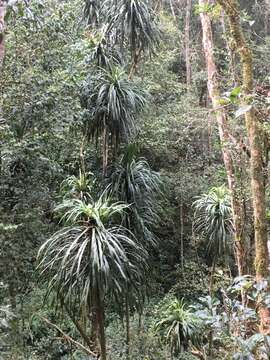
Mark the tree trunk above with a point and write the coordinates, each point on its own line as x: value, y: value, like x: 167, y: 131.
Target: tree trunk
x: 232, y: 67
x: 105, y: 149
x: 267, y: 17
x: 231, y: 8
x: 14, y: 321
x: 101, y: 327
x: 187, y: 43
x: 182, y: 236
x: 172, y: 10
x: 127, y: 326
x: 224, y: 135
x: 3, y: 6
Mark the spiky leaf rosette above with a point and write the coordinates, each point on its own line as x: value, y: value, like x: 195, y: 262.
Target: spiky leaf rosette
x: 113, y: 102
x: 90, y: 255
x: 213, y: 219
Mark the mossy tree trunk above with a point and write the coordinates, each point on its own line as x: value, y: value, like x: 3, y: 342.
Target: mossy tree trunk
x: 224, y: 135
x: 231, y: 8
x: 3, y: 6
x: 187, y: 43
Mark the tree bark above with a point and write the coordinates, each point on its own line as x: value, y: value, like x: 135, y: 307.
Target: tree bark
x: 3, y: 7
x: 105, y: 148
x: 267, y: 17
x: 187, y: 42
x: 127, y: 326
x: 224, y: 135
x: 101, y: 326
x: 231, y: 53
x: 231, y: 8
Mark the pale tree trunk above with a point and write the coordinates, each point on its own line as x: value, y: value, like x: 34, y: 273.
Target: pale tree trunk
x: 3, y: 6
x: 232, y: 68
x: 222, y: 121
x: 187, y: 42
x: 231, y: 8
x: 267, y: 17
x: 172, y: 9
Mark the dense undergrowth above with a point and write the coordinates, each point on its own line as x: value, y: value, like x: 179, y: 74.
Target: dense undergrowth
x: 188, y: 302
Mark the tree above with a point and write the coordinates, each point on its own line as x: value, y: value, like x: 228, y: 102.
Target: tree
x: 254, y: 130
x: 90, y: 258
x: 187, y: 42
x: 180, y: 326
x: 136, y: 184
x: 136, y: 24
x: 224, y: 135
x: 213, y: 219
x: 112, y: 102
x: 3, y: 7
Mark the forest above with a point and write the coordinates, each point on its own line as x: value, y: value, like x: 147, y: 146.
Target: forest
x: 134, y: 179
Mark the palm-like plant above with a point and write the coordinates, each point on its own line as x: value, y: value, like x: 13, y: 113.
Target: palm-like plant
x: 91, y: 11
x: 136, y: 184
x: 103, y: 53
x: 136, y: 23
x: 78, y: 187
x: 112, y: 102
x: 90, y: 258
x: 213, y: 219
x: 180, y: 326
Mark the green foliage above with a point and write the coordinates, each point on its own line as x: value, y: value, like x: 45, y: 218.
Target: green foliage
x: 134, y: 183
x: 213, y: 219
x: 112, y: 102
x: 90, y: 255
x: 50, y: 51
x: 136, y: 21
x: 179, y: 325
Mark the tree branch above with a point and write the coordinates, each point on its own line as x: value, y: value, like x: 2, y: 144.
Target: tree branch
x: 67, y: 337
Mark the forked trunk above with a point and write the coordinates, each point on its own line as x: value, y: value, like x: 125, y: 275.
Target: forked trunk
x: 231, y: 8
x: 224, y: 135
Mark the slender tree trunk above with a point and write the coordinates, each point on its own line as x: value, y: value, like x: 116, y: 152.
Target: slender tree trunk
x: 101, y: 327
x: 105, y: 149
x: 3, y: 6
x: 172, y: 9
x: 211, y: 285
x: 187, y: 42
x: 232, y: 67
x: 14, y: 321
x: 222, y: 121
x: 182, y: 236
x: 99, y: 317
x: 135, y: 63
x: 267, y: 17
x: 140, y: 322
x: 231, y: 8
x: 81, y: 329
x: 94, y: 329
x: 127, y: 326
